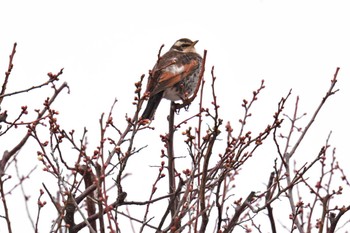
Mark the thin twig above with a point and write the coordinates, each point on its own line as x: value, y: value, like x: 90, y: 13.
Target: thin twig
x: 7, y: 73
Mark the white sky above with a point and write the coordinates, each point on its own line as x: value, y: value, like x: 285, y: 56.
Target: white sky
x: 105, y: 46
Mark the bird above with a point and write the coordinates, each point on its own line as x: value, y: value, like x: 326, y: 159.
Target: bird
x: 174, y: 76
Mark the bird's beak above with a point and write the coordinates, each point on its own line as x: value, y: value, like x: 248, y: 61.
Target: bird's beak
x: 194, y: 43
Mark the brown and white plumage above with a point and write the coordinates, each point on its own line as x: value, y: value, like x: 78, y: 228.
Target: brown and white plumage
x: 174, y: 77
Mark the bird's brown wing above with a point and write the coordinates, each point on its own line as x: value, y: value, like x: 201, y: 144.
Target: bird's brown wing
x: 168, y: 76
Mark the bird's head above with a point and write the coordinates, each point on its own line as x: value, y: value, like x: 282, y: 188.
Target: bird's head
x: 184, y: 45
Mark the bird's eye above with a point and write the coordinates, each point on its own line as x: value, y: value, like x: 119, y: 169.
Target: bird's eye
x: 184, y: 45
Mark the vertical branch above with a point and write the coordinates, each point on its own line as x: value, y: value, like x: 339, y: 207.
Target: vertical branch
x: 210, y: 138
x: 268, y: 206
x: 199, y: 137
x: 69, y: 215
x: 4, y: 202
x: 89, y: 179
x: 287, y: 157
x: 7, y: 73
x: 171, y: 159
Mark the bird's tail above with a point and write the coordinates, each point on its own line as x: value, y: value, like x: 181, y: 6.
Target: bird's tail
x: 152, y: 105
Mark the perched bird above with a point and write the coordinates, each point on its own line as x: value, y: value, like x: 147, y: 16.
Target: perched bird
x: 174, y: 77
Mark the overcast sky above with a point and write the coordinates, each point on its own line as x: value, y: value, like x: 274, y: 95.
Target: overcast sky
x: 105, y: 46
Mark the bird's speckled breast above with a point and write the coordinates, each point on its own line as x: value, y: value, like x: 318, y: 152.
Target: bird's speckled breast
x: 185, y: 88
